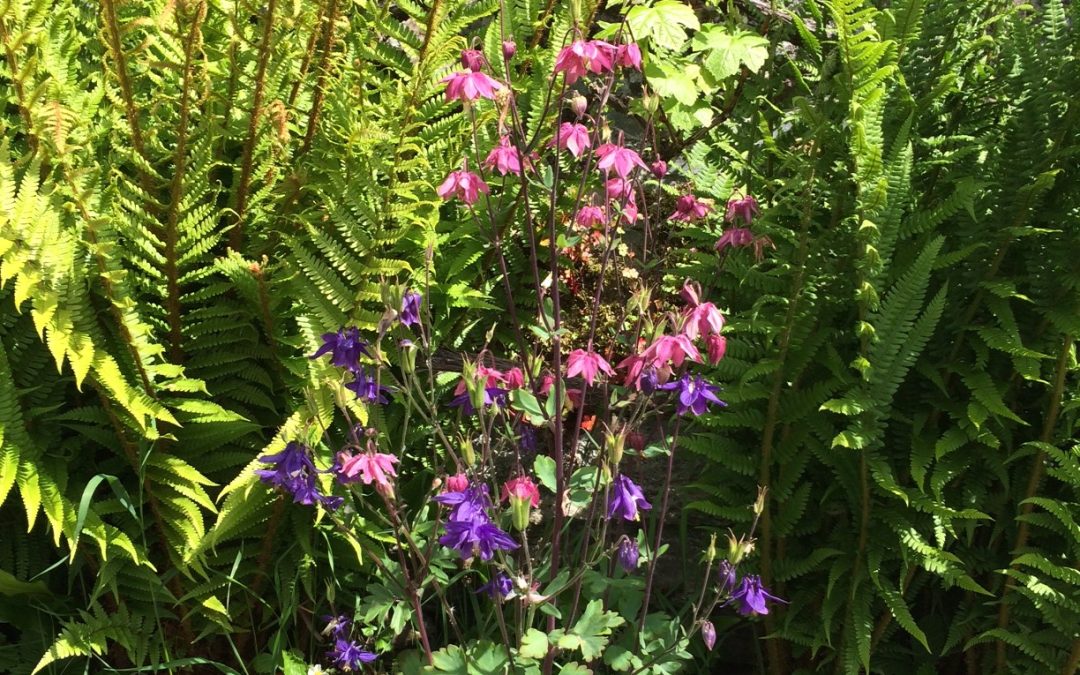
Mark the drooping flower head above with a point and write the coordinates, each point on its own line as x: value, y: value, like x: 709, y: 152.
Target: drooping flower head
x: 367, y: 388
x: 752, y: 597
x: 469, y: 504
x: 459, y: 482
x: 590, y: 216
x: 573, y: 137
x: 469, y: 85
x: 628, y: 555
x: 515, y: 378
x: 716, y: 347
x: 728, y: 576
x: 666, y: 352
x: 701, y: 318
x: 370, y: 467
x: 501, y: 587
x: 587, y: 364
x: 740, y: 237
x: 708, y: 634
x: 522, y: 488
x: 473, y: 59
x: 463, y: 184
x: 627, y: 499
x: 628, y: 56
x: 658, y: 169
x: 616, y: 158
x: 410, y: 308
x: 295, y: 473
x: 345, y: 348
x: 617, y: 188
x: 695, y: 394
x: 478, y: 537
x: 349, y: 655
x: 584, y: 56
x: 504, y: 157
x: 742, y: 207
x: 509, y: 48
x: 689, y: 209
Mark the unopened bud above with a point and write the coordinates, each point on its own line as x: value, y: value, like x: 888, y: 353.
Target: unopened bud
x: 519, y: 512
x: 708, y: 634
x: 509, y: 49
x: 710, y: 553
x: 658, y: 168
x: 472, y: 59
x: 579, y: 104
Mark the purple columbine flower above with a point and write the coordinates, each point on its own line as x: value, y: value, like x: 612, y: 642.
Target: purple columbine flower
x: 752, y: 596
x: 628, y: 555
x: 473, y: 537
x: 695, y: 394
x: 499, y: 588
x: 345, y: 348
x: 295, y: 473
x: 648, y: 381
x: 410, y: 308
x: 492, y: 396
x: 469, y: 504
x: 337, y: 626
x: 526, y: 436
x: 367, y: 388
x: 627, y: 499
x: 349, y: 655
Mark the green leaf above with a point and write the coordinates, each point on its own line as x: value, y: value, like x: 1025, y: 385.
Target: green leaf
x: 544, y: 467
x: 664, y: 24
x: 726, y: 52
x: 534, y: 644
x: 678, y: 80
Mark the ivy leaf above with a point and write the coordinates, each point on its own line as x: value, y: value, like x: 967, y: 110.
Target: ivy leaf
x: 664, y: 24
x: 725, y: 51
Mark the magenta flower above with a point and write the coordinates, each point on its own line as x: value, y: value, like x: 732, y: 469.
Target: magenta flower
x: 626, y: 499
x: 459, y: 482
x: 743, y: 207
x: 704, y: 319
x: 509, y: 48
x: 473, y: 59
x: 689, y: 208
x: 489, y: 376
x: 675, y: 349
x: 376, y: 467
x: 617, y: 188
x: 522, y: 488
x: 573, y: 137
x: 469, y: 85
x: 658, y: 168
x: 629, y: 211
x: 504, y: 157
x: 695, y: 394
x: 584, y: 56
x: 515, y: 378
x: 590, y: 216
x: 464, y: 185
x: 587, y: 364
x: 716, y: 346
x: 628, y: 56
x: 740, y: 237
x: 752, y: 596
x: 619, y: 159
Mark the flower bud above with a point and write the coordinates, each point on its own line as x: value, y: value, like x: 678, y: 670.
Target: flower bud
x: 459, y: 482
x: 472, y: 59
x: 708, y: 634
x: 579, y: 104
x: 509, y: 49
x: 467, y: 452
x: 408, y: 351
x: 515, y: 379
x: 716, y: 346
x: 710, y: 553
x: 658, y: 168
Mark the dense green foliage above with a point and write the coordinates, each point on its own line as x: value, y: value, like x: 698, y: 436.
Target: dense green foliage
x: 191, y: 192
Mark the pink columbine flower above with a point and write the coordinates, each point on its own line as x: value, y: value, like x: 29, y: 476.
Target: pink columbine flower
x: 489, y: 376
x: 628, y: 56
x: 617, y: 188
x: 521, y: 487
x: 370, y: 467
x: 716, y: 346
x: 739, y: 237
x: 689, y: 208
x: 743, y: 207
x: 590, y: 216
x: 630, y: 213
x: 504, y: 158
x: 464, y: 185
x: 699, y: 318
x: 621, y: 160
x: 546, y: 383
x: 459, y: 482
x: 587, y: 364
x: 667, y: 348
x: 514, y: 378
x: 583, y: 56
x: 473, y: 59
x: 469, y: 85
x: 658, y: 168
x: 573, y: 137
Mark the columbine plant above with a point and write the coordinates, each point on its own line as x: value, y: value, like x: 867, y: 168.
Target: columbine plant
x: 538, y: 535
